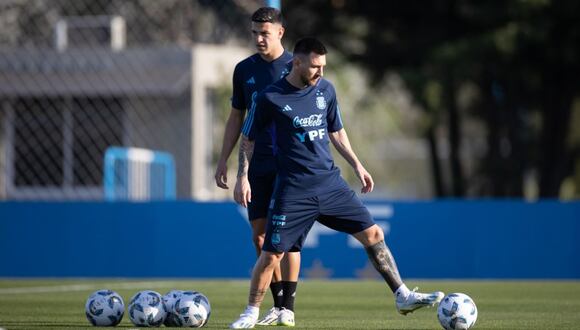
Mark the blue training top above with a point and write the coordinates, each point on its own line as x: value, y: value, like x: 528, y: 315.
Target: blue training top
x: 302, y: 120
x: 251, y: 76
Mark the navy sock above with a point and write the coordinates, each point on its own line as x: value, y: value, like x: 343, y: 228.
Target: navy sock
x: 277, y: 293
x: 289, y: 294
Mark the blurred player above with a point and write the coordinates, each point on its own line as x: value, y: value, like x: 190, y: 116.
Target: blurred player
x: 252, y: 75
x: 305, y: 113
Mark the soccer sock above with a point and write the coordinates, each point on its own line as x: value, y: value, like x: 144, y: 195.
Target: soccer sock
x: 252, y: 310
x: 384, y: 263
x: 277, y: 293
x: 289, y: 294
x: 402, y: 292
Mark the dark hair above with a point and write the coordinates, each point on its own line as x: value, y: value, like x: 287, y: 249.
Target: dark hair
x: 267, y: 15
x: 308, y: 45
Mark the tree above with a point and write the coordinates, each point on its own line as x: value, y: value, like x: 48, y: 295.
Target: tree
x: 522, y: 57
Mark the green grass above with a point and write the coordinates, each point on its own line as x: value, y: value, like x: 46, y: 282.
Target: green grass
x: 59, y: 304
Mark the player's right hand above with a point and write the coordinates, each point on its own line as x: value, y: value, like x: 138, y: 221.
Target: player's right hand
x: 243, y: 192
x: 221, y: 175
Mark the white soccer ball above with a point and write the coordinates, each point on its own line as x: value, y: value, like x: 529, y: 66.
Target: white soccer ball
x: 171, y: 319
x: 457, y: 311
x: 192, y: 309
x: 146, y: 309
x: 104, y: 308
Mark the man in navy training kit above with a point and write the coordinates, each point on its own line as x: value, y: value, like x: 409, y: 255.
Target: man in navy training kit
x: 270, y: 63
x: 305, y: 113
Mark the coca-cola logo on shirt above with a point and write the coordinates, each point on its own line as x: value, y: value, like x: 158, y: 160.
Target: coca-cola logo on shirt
x: 311, y: 121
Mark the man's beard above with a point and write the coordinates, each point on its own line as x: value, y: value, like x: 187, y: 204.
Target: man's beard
x: 309, y: 82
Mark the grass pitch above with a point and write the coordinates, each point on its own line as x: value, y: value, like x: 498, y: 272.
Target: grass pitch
x: 59, y: 304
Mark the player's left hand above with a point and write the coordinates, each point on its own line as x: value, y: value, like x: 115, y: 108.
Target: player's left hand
x: 221, y: 175
x: 365, y: 178
x: 243, y: 192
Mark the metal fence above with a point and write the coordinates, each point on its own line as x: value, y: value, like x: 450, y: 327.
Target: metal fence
x: 77, y: 77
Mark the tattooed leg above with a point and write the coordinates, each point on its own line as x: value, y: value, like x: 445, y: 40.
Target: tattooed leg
x: 262, y: 275
x: 256, y: 297
x: 384, y: 263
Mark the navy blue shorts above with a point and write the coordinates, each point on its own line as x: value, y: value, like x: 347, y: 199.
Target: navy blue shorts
x: 290, y: 220
x: 262, y: 187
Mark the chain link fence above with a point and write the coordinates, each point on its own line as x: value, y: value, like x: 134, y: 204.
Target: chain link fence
x: 77, y: 77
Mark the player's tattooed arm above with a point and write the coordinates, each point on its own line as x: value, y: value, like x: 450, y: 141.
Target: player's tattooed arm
x: 245, y: 155
x: 243, y: 191
x: 384, y: 263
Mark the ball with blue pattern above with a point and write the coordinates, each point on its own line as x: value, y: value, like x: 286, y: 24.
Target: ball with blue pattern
x: 171, y: 320
x: 104, y: 308
x: 457, y: 311
x: 192, y: 309
x: 146, y: 309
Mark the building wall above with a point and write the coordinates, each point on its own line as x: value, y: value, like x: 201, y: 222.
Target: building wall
x: 163, y: 124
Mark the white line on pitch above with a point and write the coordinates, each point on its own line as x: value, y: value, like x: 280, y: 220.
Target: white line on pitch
x: 83, y: 287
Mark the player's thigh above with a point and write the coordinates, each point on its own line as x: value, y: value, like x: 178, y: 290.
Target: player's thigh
x: 343, y: 211
x: 259, y: 226
x: 288, y: 224
x: 262, y: 187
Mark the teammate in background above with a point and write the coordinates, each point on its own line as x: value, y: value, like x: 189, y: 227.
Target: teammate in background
x: 252, y: 75
x: 305, y: 113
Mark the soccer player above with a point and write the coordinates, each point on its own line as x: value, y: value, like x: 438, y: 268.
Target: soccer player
x: 270, y: 63
x: 306, y: 117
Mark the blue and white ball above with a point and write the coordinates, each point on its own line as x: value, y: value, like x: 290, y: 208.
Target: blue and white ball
x: 192, y: 309
x: 104, y: 308
x: 146, y: 309
x: 457, y: 311
x: 171, y: 320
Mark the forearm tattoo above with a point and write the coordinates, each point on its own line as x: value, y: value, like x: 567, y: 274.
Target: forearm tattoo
x: 384, y: 263
x: 256, y: 297
x: 245, y: 155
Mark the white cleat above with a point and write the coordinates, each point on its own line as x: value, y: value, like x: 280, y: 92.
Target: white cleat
x: 417, y: 300
x: 271, y: 318
x: 286, y: 318
x: 246, y: 321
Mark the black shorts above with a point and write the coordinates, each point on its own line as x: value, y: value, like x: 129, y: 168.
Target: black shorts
x: 262, y: 187
x: 290, y: 220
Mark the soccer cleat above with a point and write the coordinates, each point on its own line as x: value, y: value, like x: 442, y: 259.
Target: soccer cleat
x: 416, y: 300
x: 271, y: 318
x: 247, y: 320
x: 286, y: 318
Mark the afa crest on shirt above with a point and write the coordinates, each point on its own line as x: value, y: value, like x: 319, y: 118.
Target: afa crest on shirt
x: 320, y: 102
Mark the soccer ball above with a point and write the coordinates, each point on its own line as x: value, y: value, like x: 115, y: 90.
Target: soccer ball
x: 457, y: 311
x: 171, y: 320
x: 146, y: 309
x: 192, y: 309
x: 104, y: 308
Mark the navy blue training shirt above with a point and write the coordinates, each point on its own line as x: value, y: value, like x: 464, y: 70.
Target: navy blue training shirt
x: 302, y: 120
x: 251, y: 76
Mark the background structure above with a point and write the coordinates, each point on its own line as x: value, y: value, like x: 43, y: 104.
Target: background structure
x: 459, y: 100
x: 445, y: 99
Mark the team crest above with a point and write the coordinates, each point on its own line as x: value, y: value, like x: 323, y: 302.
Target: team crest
x: 320, y: 102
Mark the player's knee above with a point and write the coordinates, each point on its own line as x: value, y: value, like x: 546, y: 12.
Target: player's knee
x: 271, y: 258
x: 375, y: 234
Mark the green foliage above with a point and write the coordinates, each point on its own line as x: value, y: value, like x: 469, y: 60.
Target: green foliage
x: 518, y: 59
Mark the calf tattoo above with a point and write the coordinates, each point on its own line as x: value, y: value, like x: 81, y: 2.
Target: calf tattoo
x: 384, y: 263
x: 256, y: 297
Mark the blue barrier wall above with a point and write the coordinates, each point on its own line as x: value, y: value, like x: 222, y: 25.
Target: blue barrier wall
x: 443, y: 239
